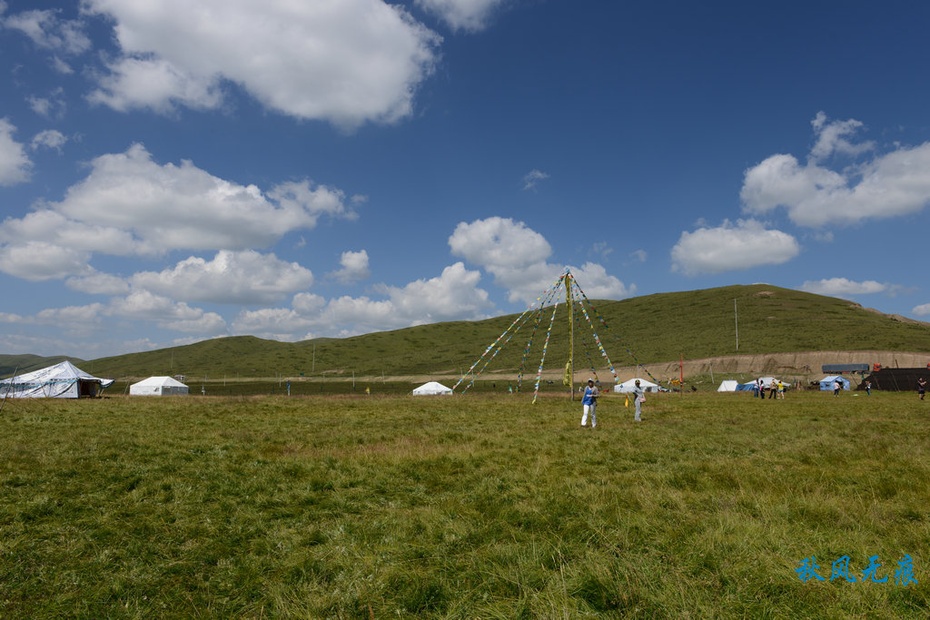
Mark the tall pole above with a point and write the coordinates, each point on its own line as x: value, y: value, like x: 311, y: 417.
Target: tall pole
x: 571, y: 332
x: 736, y: 318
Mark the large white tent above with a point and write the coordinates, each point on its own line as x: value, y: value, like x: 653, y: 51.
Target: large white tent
x: 158, y: 386
x: 431, y: 388
x: 728, y: 385
x: 627, y: 386
x: 63, y: 380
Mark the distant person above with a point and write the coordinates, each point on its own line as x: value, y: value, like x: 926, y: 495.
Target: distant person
x: 868, y: 388
x: 772, y: 390
x: 781, y: 390
x: 921, y: 387
x: 639, y: 397
x: 589, y: 404
x: 760, y: 388
x: 836, y: 386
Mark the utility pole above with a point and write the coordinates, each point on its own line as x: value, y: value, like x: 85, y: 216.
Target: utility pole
x: 736, y: 318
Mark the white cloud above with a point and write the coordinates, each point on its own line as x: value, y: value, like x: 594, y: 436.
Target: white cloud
x: 597, y: 284
x: 842, y: 287
x: 151, y: 209
x: 99, y: 284
x: 154, y: 84
x: 889, y: 185
x: 167, y: 313
x: 49, y: 139
x: 453, y: 295
x: 515, y: 254
x: 517, y: 258
x: 46, y: 30
x: 37, y: 261
x: 531, y: 178
x: 231, y: 277
x: 53, y: 106
x: 832, y: 138
x: 354, y: 267
x: 921, y: 310
x: 344, y: 61
x: 468, y: 15
x: 731, y: 247
x: 14, y: 164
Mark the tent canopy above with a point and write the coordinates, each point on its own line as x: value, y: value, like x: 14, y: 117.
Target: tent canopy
x: 627, y: 386
x: 826, y: 384
x: 158, y: 386
x: 728, y: 385
x: 431, y: 388
x: 63, y: 380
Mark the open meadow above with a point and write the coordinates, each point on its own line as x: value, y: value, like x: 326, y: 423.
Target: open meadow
x: 469, y: 506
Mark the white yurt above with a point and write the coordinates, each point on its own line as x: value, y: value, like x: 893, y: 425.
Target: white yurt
x: 432, y: 388
x: 158, y: 386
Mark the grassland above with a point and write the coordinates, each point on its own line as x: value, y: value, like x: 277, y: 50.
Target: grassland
x: 474, y: 506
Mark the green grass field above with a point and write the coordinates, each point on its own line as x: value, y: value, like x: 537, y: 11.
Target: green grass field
x: 474, y: 506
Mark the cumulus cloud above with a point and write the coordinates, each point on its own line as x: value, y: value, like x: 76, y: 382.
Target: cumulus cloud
x: 164, y: 311
x: 155, y: 84
x: 38, y: 261
x: 354, y: 267
x: 246, y: 277
x: 517, y: 257
x: 730, y: 247
x: 453, y: 295
x: 150, y: 209
x: 921, y: 310
x: 887, y: 185
x: 14, y: 164
x: 467, y: 15
x: 344, y: 61
x: 843, y: 287
x: 832, y: 138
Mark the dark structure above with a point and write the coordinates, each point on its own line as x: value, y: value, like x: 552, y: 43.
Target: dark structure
x: 839, y: 369
x: 895, y: 379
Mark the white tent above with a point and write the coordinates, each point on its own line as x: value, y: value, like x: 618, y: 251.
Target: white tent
x: 63, y: 380
x: 627, y: 386
x: 158, y: 386
x: 431, y: 388
x: 729, y: 385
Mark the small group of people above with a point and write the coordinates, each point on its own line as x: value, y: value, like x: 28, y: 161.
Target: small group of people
x: 589, y: 403
x: 776, y: 389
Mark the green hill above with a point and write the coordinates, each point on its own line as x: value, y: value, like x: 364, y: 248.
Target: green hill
x: 20, y: 364
x: 652, y: 328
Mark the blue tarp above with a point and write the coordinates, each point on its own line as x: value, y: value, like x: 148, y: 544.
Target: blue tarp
x: 826, y: 384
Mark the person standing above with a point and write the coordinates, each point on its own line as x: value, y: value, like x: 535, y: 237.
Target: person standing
x: 921, y: 387
x: 639, y: 397
x: 868, y: 388
x: 836, y: 386
x: 589, y: 404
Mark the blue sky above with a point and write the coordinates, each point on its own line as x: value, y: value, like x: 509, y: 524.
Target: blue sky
x: 177, y: 171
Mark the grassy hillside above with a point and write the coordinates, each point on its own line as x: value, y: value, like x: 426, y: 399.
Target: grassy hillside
x: 652, y: 328
x: 19, y: 364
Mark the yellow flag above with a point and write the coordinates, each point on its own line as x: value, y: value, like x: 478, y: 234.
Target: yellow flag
x: 567, y: 379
